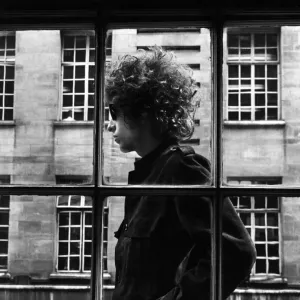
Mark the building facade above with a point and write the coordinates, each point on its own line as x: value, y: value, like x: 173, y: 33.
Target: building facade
x: 46, y: 137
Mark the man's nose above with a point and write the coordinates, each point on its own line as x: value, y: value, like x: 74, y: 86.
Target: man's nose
x: 111, y: 126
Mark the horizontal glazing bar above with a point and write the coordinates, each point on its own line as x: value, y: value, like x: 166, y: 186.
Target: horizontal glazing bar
x: 159, y: 24
x: 149, y: 190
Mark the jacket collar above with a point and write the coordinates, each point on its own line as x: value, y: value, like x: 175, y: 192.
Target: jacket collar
x: 143, y: 166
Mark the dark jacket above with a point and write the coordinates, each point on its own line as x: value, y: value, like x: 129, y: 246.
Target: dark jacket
x: 164, y: 242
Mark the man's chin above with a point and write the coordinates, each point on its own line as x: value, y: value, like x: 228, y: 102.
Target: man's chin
x: 125, y: 150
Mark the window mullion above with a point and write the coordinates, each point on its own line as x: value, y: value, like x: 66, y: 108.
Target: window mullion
x: 216, y: 239
x: 98, y: 199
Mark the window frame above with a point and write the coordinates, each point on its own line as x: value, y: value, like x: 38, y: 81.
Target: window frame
x: 86, y: 64
x: 252, y: 63
x: 238, y: 180
x: 8, y: 63
x: 218, y: 20
x: 83, y: 210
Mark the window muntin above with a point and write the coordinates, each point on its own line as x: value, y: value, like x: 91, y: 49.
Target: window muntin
x: 261, y: 216
x: 253, y: 76
x: 7, y: 75
x: 78, y: 71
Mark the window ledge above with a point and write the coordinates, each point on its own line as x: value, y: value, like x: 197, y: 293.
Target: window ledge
x: 7, y: 123
x: 268, y: 279
x: 280, y: 123
x: 5, y: 275
x: 264, y: 291
x: 76, y: 275
x: 73, y: 123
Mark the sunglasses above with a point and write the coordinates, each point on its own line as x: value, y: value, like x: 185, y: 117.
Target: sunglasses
x: 113, y: 111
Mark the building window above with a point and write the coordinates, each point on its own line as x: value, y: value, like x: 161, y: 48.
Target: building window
x: 74, y: 233
x: 7, y: 75
x: 4, y: 225
x: 78, y: 71
x: 261, y: 217
x: 74, y: 217
x: 253, y: 87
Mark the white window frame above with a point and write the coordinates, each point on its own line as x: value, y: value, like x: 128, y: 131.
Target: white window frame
x: 7, y: 62
x: 81, y: 209
x: 5, y: 179
x: 252, y: 63
x: 253, y: 226
x: 86, y: 64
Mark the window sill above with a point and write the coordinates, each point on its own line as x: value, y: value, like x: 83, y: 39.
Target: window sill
x: 279, y: 123
x: 5, y: 275
x: 76, y: 276
x: 8, y: 124
x: 268, y: 279
x: 73, y: 123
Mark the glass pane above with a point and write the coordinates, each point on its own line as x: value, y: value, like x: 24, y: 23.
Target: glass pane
x: 233, y: 71
x: 41, y: 242
x: 80, y: 42
x: 69, y: 41
x: 80, y: 56
x: 260, y: 235
x: 245, y: 71
x: 63, y: 234
x: 68, y: 55
x: 3, y: 233
x: 67, y: 100
x: 74, y: 247
x: 79, y: 86
x: 80, y: 72
x: 185, y: 48
x: 63, y: 201
x: 267, y: 146
x: 68, y: 72
x: 245, y: 99
x: 75, y: 200
x: 9, y: 101
x: 8, y: 114
x: 75, y: 218
x: 233, y: 100
x: 274, y: 266
x: 156, y: 249
x: 261, y: 250
x: 49, y: 86
x: 259, y: 71
x: 4, y: 217
x: 1, y: 72
x: 63, y: 248
x: 74, y: 263
x: 2, y: 42
x: 79, y: 100
x: 10, y: 73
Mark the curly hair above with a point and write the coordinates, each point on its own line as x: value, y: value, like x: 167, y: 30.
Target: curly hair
x: 155, y: 82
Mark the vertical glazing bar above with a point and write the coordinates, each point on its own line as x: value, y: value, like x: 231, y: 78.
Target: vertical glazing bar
x: 217, y: 44
x: 98, y: 201
x: 96, y: 276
